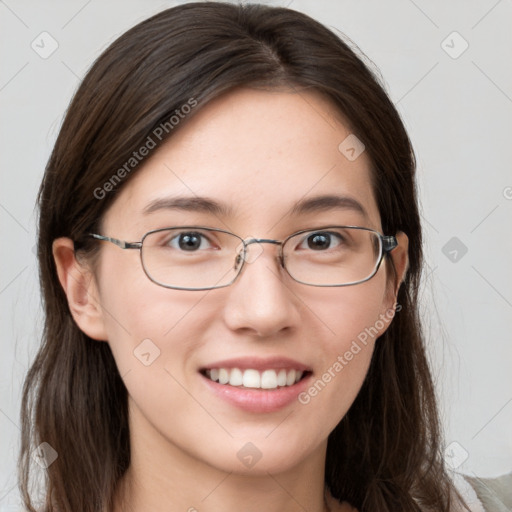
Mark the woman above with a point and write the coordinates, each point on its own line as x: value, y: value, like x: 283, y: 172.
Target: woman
x: 230, y: 253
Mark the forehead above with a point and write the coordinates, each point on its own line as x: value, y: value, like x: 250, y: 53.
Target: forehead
x: 259, y: 156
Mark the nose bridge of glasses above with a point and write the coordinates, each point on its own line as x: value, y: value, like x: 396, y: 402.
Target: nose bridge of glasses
x: 251, y: 256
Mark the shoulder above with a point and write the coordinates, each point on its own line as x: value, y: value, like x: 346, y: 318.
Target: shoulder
x: 467, y: 492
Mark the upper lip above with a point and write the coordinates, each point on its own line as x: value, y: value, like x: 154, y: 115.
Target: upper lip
x: 259, y: 363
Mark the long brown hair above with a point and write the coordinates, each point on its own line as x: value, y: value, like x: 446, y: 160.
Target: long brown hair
x: 386, y: 453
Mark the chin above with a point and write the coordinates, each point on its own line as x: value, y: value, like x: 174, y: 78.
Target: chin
x: 260, y: 456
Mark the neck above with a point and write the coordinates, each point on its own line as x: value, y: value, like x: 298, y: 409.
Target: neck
x: 229, y: 493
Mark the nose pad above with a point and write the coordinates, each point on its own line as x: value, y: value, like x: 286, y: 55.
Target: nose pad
x: 238, y: 260
x: 250, y: 254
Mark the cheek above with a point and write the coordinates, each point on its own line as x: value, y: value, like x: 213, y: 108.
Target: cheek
x: 353, y: 313
x: 146, y: 322
x: 353, y: 320
x: 153, y: 333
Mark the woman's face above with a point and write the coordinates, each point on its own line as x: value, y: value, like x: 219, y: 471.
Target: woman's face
x: 258, y: 154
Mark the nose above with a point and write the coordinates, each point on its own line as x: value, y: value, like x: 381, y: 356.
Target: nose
x: 261, y: 301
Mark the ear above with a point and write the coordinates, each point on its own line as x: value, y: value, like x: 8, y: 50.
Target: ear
x: 400, y: 257
x: 80, y: 287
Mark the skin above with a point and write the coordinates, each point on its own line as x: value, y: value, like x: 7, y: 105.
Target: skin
x: 259, y: 152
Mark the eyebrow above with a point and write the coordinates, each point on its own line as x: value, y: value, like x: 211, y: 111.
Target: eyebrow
x: 326, y: 203
x: 189, y: 204
x: 314, y: 204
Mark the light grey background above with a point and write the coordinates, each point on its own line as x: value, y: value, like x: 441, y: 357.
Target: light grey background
x: 457, y: 108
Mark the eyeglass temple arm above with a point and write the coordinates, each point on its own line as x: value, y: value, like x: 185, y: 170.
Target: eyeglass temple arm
x: 119, y: 243
x: 389, y: 243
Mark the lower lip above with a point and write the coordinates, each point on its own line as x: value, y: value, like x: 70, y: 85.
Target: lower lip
x: 258, y: 400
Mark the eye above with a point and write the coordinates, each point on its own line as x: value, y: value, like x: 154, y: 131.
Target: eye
x: 322, y: 240
x: 189, y: 241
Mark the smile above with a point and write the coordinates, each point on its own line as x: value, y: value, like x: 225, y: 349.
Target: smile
x: 254, y: 379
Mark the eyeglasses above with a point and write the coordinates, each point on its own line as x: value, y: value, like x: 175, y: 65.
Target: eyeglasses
x: 201, y: 258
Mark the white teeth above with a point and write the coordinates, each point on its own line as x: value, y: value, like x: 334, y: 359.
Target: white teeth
x: 268, y: 379
x: 223, y: 376
x: 290, y: 378
x: 251, y: 379
x: 236, y: 377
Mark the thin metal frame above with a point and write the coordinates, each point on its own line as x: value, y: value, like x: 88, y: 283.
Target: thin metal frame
x: 387, y: 244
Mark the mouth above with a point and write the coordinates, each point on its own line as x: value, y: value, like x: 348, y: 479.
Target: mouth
x: 257, y: 384
x: 251, y: 378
